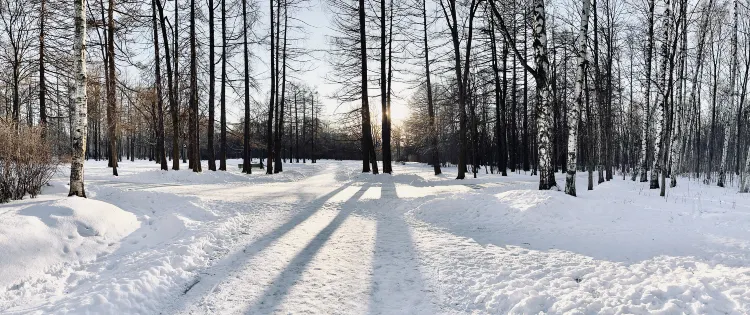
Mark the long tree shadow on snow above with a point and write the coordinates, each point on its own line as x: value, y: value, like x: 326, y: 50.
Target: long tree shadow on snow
x: 397, y: 286
x: 602, y: 225
x: 279, y: 288
x: 205, y: 284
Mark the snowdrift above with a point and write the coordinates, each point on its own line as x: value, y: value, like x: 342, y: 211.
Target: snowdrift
x: 42, y: 235
x: 617, y: 249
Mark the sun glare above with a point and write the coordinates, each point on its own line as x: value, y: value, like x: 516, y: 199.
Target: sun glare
x: 399, y: 112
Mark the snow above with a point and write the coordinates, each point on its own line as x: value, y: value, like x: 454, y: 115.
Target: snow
x: 40, y: 234
x: 326, y: 239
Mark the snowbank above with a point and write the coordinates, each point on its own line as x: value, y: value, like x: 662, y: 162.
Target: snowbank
x: 325, y: 238
x: 38, y: 236
x: 616, y: 249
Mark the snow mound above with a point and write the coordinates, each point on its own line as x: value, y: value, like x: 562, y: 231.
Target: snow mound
x: 47, y: 234
x: 614, y: 250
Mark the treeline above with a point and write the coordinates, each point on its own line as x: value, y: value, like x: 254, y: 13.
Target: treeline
x: 646, y: 88
x: 606, y: 86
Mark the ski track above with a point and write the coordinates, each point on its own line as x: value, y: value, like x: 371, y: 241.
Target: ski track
x: 326, y: 239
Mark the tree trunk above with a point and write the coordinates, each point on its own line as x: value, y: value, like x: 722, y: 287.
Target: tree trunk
x: 434, y: 157
x: 195, y: 126
x: 173, y: 107
x: 211, y: 90
x: 159, y: 104
x: 222, y: 100
x: 499, y: 115
x: 573, y: 115
x: 42, y: 79
x: 384, y: 92
x: 647, y: 97
x: 368, y: 149
x: 79, y: 114
x: 246, y: 158
x: 269, y: 129
x: 112, y: 116
x: 280, y: 114
x: 661, y: 111
x: 732, y: 98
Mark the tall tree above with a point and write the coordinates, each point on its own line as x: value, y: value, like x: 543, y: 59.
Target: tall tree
x: 112, y: 115
x: 661, y: 111
x: 80, y: 117
x: 368, y: 147
x: 42, y: 78
x: 246, y: 158
x: 434, y: 157
x: 194, y: 128
x: 732, y: 96
x: 271, y: 103
x: 211, y: 90
x: 647, y: 93
x: 161, y: 154
x: 223, y: 93
x: 177, y: 93
x: 171, y: 92
x: 540, y: 74
x: 384, y: 92
x: 573, y: 115
x: 679, y: 107
x: 281, y: 101
x: 462, y: 75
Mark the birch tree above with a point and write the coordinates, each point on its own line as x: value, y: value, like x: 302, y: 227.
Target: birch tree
x: 540, y: 73
x: 573, y: 114
x: 661, y: 110
x: 79, y: 110
x: 647, y: 93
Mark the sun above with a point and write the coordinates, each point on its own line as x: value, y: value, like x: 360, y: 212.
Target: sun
x: 399, y: 112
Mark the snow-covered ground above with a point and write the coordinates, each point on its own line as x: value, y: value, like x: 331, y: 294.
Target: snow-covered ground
x: 326, y: 239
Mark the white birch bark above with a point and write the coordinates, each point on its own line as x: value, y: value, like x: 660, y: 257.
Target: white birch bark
x: 80, y: 120
x: 573, y: 115
x: 677, y: 133
x: 647, y: 97
x: 660, y: 113
x: 544, y: 118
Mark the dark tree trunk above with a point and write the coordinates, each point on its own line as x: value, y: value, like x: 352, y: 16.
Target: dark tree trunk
x: 42, y: 82
x: 435, y: 157
x: 195, y: 125
x: 222, y: 100
x: 111, y: 98
x: 368, y: 148
x: 246, y: 158
x: 385, y: 92
x: 211, y: 90
x: 160, y: 106
x: 174, y: 110
x: 282, y: 100
x: 269, y: 129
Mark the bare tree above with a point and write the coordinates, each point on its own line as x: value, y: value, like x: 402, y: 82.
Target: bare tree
x: 573, y: 115
x: 79, y: 113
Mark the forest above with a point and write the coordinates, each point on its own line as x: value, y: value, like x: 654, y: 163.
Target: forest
x: 645, y: 89
x: 374, y: 157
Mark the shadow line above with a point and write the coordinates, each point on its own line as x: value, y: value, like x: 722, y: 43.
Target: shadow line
x: 279, y: 289
x: 397, y: 285
x: 204, y: 286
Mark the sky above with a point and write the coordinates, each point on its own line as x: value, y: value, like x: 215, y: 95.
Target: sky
x: 316, y: 19
x: 317, y: 22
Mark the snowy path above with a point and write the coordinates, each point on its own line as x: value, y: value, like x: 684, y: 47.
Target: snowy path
x: 349, y: 251
x: 326, y: 239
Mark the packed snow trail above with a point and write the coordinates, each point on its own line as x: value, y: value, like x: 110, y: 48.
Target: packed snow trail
x: 327, y: 239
